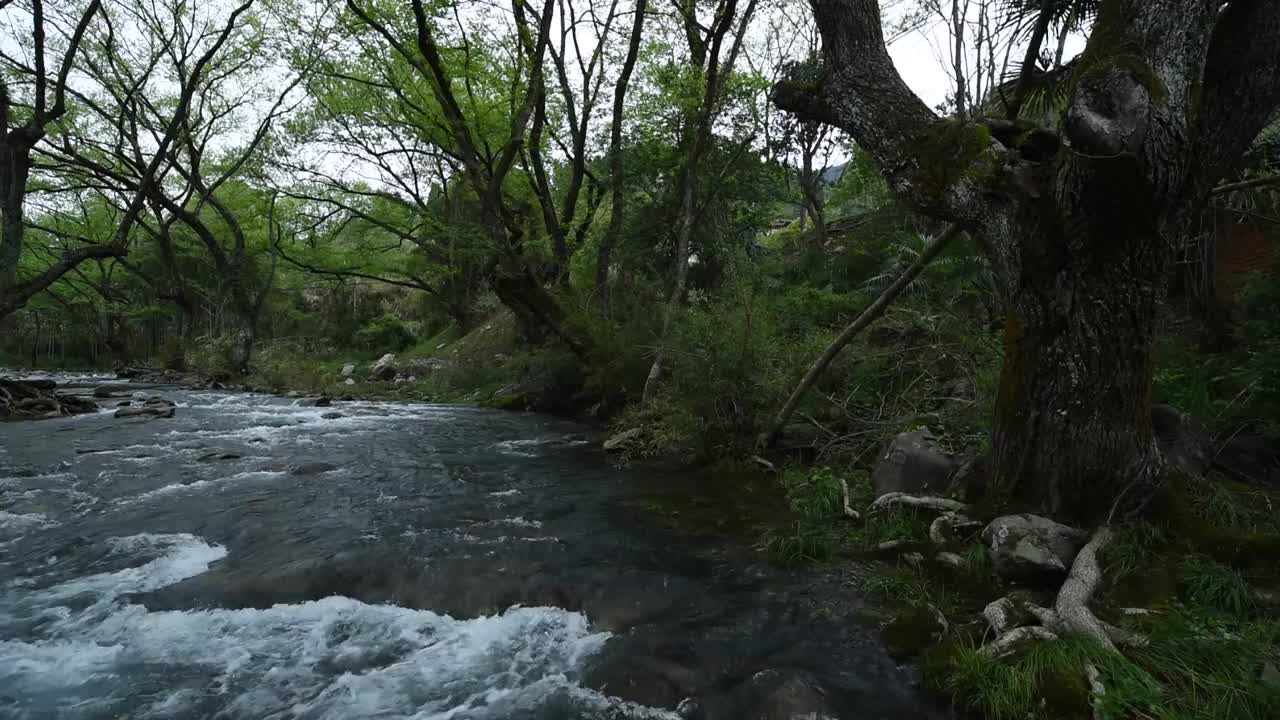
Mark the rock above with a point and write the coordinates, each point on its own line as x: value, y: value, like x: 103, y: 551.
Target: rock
x: 104, y: 392
x: 787, y: 695
x: 623, y: 440
x: 913, y: 464
x: 38, y: 400
x: 153, y: 408
x: 124, y: 403
x: 914, y: 630
x: 1251, y: 457
x: 348, y: 381
x: 322, y: 401
x: 950, y: 560
x: 1030, y: 545
x: 311, y: 468
x: 332, y: 416
x: 799, y: 436
x: 128, y: 373
x: 914, y: 559
x: 385, y: 369
x: 348, y: 369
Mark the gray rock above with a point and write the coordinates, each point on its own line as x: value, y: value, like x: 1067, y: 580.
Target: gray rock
x: 348, y: 381
x: 914, y: 464
x: 322, y: 401
x: 104, y: 392
x: 385, y: 369
x: 623, y: 440
x: 348, y: 369
x: 1029, y: 545
x: 332, y: 416
x: 950, y: 560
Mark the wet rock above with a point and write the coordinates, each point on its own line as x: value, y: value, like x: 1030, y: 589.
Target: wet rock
x: 913, y: 464
x: 914, y: 630
x: 623, y: 440
x: 385, y: 369
x: 104, y: 392
x: 38, y: 400
x: 311, y: 468
x: 787, y: 695
x: 1029, y: 545
x: 322, y: 401
x: 153, y: 408
x: 128, y: 373
x: 332, y: 416
x: 348, y: 369
x: 124, y: 403
x: 218, y: 455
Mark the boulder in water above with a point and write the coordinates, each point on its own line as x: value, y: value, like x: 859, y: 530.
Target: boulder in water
x: 37, y: 400
x: 153, y: 408
x: 104, y: 392
x: 332, y: 416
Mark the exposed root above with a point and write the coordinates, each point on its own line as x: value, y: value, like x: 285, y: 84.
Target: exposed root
x: 945, y: 526
x: 1016, y: 639
x: 1096, y: 689
x: 1070, y: 614
x: 849, y: 512
x: 897, y: 499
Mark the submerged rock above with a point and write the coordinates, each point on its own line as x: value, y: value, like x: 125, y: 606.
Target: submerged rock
x: 787, y: 694
x: 1030, y: 545
x: 913, y: 464
x: 153, y: 408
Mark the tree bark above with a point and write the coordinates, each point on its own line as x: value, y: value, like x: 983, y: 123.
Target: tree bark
x: 617, y: 192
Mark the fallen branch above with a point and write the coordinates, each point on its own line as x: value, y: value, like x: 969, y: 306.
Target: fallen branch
x: 868, y: 316
x: 897, y: 499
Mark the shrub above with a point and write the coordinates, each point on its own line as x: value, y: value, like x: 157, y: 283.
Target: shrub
x: 385, y: 334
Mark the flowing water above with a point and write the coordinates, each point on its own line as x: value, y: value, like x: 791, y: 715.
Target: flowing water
x: 255, y: 558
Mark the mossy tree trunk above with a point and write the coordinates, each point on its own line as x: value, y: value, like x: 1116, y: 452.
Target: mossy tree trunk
x: 1080, y: 224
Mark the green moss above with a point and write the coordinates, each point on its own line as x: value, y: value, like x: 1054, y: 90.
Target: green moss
x: 912, y: 631
x: 951, y: 151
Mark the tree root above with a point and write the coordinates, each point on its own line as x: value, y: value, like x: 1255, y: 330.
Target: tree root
x: 849, y: 512
x: 1016, y: 639
x: 1070, y: 614
x: 897, y: 499
x: 944, y: 525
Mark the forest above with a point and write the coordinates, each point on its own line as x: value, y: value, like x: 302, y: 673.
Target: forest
x: 733, y: 235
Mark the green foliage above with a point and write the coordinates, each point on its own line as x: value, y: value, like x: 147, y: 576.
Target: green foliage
x: 1212, y: 585
x: 798, y: 543
x: 387, y: 333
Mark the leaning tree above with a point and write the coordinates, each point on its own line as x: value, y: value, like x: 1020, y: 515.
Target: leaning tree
x: 1081, y: 222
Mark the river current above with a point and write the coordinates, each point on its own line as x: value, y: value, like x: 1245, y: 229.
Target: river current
x: 254, y: 557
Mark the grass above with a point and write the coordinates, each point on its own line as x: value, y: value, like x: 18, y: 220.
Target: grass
x: 1207, y: 583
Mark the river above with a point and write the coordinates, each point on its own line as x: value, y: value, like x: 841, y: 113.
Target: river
x: 256, y: 558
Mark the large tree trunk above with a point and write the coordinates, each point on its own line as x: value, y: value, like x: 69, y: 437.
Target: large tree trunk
x: 15, y: 165
x: 1080, y: 223
x: 1072, y: 428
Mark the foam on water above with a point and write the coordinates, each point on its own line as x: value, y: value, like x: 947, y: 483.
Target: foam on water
x: 327, y: 659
